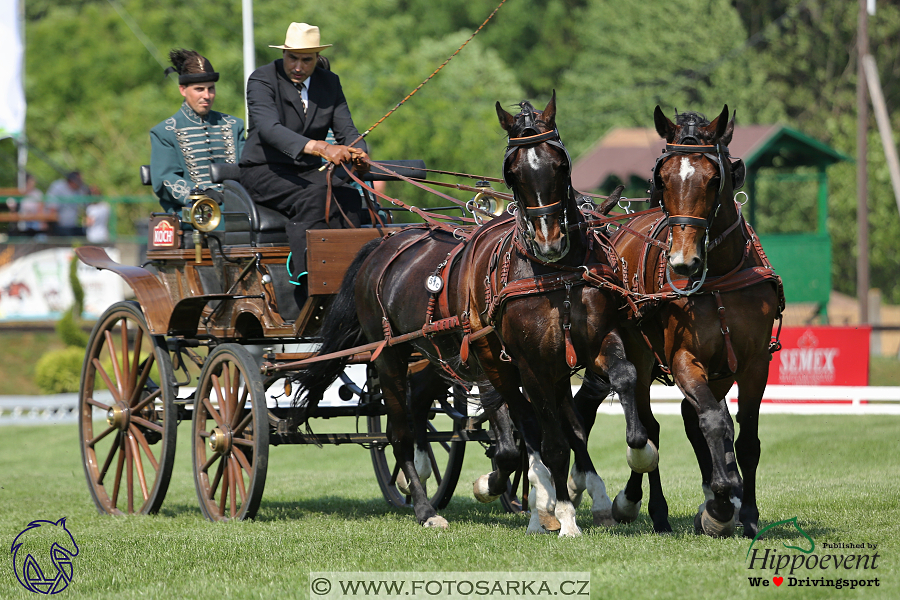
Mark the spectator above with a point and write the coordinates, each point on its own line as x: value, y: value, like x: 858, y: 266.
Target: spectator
x: 63, y: 198
x: 96, y: 220
x: 31, y: 204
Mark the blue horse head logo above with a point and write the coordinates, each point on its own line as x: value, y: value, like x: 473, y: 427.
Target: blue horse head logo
x: 42, y: 556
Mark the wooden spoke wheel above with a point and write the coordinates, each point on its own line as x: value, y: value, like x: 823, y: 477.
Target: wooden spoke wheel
x: 230, y: 435
x: 446, y: 457
x: 127, y: 415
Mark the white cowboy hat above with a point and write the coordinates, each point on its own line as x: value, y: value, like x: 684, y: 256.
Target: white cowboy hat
x: 302, y: 37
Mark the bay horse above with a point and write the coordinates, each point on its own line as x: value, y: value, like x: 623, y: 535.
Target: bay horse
x: 521, y: 303
x: 712, y: 326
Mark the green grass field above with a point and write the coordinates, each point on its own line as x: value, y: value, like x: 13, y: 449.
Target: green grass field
x: 322, y: 511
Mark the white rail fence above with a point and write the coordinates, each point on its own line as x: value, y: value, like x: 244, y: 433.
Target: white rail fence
x: 784, y: 399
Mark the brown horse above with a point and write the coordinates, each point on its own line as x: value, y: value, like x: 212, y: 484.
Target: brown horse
x: 711, y: 326
x: 522, y: 304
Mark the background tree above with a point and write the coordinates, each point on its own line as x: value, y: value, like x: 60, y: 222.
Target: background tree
x: 94, y: 81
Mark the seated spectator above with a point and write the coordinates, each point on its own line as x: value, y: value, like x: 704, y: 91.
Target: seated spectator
x: 64, y: 198
x: 31, y: 204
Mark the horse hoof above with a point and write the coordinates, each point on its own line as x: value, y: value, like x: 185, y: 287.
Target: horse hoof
x: 573, y: 531
x: 482, y: 490
x: 712, y: 527
x: 436, y: 521
x: 548, y: 521
x: 403, y: 484
x: 604, y: 518
x: 642, y: 460
x: 623, y: 510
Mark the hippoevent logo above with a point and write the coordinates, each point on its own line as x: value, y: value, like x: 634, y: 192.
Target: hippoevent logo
x: 42, y: 556
x: 799, y: 566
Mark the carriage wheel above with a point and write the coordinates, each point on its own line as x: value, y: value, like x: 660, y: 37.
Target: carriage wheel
x: 446, y: 457
x: 126, y: 413
x: 230, y: 435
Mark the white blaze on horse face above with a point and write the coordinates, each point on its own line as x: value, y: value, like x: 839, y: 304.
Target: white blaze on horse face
x: 687, y: 169
x: 533, y: 160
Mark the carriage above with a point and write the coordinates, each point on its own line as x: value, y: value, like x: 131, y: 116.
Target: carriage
x: 210, y: 337
x: 558, y: 285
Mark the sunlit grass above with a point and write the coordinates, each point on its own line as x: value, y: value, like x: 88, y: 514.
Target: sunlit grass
x: 322, y: 510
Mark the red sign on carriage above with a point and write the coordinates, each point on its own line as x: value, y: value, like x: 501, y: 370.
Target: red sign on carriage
x: 162, y: 232
x: 822, y: 356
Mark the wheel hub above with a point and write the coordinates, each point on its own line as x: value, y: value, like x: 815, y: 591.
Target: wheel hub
x: 220, y: 441
x: 117, y: 416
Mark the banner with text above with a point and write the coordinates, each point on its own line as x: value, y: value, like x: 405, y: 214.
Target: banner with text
x: 822, y: 356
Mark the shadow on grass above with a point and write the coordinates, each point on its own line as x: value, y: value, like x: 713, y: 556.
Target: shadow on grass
x: 468, y: 510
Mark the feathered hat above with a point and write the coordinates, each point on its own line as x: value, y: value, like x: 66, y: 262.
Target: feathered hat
x: 191, y: 67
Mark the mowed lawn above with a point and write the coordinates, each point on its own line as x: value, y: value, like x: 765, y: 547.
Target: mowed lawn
x: 322, y: 511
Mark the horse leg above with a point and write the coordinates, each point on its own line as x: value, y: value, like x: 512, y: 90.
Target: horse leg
x: 717, y: 518
x: 584, y: 474
x: 641, y: 452
x: 752, y: 384
x: 701, y: 449
x: 491, y: 486
x: 542, y: 499
x: 392, y: 372
x: 554, y: 445
x: 593, y: 391
x: 425, y: 387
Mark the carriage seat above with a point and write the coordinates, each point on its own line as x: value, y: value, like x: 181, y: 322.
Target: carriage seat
x: 266, y: 225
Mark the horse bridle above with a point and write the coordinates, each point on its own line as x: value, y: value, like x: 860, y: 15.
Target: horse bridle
x: 552, y: 138
x: 717, y: 154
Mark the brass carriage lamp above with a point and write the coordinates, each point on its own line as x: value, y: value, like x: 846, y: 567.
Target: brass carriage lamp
x: 487, y: 203
x: 205, y: 215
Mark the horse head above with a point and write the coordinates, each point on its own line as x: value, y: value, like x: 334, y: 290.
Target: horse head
x: 694, y: 174
x: 537, y: 168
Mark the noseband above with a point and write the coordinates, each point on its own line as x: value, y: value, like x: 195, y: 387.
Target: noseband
x: 552, y: 138
x: 717, y: 155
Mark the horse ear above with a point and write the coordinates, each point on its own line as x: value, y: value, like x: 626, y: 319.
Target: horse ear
x: 62, y: 522
x: 611, y: 200
x: 506, y: 120
x: 664, y: 127
x: 738, y: 174
x: 725, y: 140
x: 719, y: 126
x: 548, y: 116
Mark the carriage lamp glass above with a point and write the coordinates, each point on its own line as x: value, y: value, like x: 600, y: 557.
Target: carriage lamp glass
x: 205, y: 213
x: 483, y: 202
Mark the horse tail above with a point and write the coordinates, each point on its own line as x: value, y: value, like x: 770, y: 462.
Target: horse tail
x: 340, y: 330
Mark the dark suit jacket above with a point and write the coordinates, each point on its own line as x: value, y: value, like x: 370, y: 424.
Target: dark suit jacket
x: 278, y: 129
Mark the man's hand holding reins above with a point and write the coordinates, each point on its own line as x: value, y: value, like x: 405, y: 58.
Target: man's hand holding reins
x: 337, y: 154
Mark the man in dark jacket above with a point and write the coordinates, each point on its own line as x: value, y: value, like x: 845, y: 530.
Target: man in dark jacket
x: 292, y: 105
